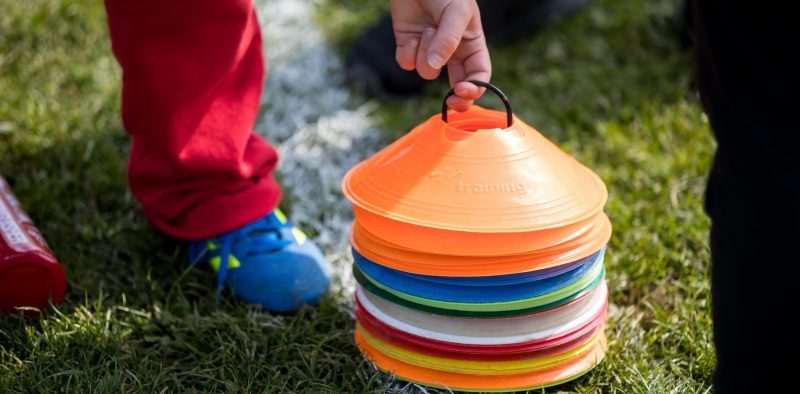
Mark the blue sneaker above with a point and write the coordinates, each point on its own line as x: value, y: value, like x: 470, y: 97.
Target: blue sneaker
x: 268, y: 262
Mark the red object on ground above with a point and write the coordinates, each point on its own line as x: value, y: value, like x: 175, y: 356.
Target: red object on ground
x: 192, y: 74
x: 30, y: 275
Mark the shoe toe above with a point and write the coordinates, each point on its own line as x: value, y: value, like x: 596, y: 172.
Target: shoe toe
x: 282, y: 281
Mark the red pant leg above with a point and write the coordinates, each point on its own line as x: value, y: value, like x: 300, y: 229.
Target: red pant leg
x: 192, y: 77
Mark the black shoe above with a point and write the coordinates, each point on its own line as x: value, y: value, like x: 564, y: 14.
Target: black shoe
x: 371, y: 67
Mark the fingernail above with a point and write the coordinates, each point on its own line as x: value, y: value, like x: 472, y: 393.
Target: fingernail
x: 435, y: 61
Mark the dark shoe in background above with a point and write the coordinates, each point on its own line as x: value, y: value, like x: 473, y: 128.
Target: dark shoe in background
x: 373, y: 71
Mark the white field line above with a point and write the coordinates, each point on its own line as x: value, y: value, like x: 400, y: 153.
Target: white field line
x: 312, y: 120
x: 320, y: 131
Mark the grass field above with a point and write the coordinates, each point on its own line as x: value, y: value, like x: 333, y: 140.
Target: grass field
x: 611, y: 86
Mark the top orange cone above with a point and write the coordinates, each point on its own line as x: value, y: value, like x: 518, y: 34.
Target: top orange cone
x: 476, y: 173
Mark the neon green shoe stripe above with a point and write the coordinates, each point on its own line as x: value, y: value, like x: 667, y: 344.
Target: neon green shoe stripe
x: 300, y: 236
x: 233, y: 262
x: 214, y: 262
x: 279, y: 214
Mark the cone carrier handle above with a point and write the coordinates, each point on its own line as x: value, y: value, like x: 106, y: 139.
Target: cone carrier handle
x: 487, y: 85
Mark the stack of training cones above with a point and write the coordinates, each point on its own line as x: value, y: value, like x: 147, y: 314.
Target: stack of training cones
x: 478, y: 249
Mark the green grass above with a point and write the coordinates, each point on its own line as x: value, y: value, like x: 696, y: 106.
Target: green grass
x: 611, y: 86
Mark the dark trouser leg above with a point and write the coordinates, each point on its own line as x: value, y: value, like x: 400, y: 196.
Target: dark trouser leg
x: 748, y: 84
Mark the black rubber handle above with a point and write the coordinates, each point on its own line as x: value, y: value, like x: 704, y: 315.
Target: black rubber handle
x: 487, y: 85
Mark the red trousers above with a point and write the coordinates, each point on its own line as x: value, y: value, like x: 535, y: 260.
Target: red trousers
x: 192, y: 72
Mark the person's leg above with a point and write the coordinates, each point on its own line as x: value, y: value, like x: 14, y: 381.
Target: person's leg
x: 748, y: 86
x: 192, y: 79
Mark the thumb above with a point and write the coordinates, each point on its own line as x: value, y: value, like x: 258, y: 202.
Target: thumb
x: 449, y: 32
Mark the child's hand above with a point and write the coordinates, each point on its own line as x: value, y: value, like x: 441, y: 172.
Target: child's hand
x: 432, y: 33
